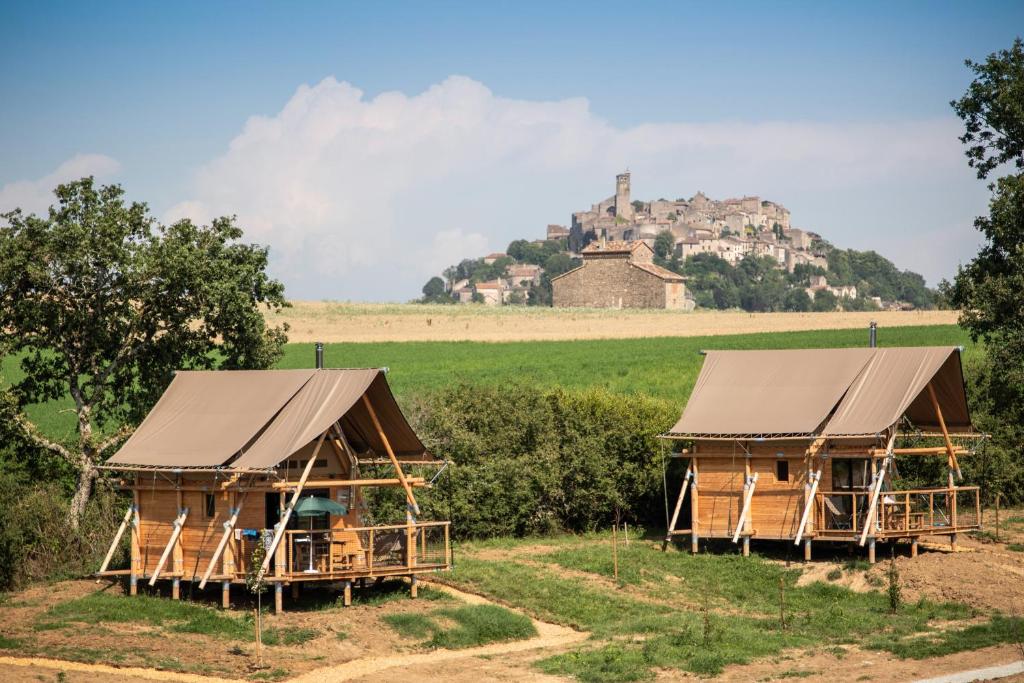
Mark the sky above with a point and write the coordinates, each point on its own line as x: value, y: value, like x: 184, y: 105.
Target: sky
x: 370, y: 145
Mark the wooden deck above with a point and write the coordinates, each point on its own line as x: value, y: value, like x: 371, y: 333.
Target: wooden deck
x: 840, y: 515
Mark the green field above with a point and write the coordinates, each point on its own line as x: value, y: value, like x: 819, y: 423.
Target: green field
x: 664, y: 367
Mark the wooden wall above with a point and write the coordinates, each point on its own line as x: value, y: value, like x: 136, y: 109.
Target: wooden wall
x: 776, y: 506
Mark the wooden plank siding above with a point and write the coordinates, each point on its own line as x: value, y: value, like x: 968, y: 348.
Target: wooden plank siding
x: 776, y: 506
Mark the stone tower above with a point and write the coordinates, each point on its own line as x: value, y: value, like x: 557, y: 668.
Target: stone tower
x: 622, y: 206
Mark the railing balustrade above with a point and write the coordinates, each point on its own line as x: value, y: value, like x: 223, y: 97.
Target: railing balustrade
x: 939, y: 510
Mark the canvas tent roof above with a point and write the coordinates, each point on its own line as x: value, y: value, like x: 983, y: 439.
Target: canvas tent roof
x: 824, y: 392
x: 255, y: 419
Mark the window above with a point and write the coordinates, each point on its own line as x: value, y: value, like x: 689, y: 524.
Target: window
x: 782, y: 470
x: 211, y: 505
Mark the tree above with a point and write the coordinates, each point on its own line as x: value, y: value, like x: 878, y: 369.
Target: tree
x: 638, y: 206
x: 797, y: 300
x: 434, y: 292
x: 664, y: 244
x: 102, y: 303
x: 993, y: 111
x: 825, y: 300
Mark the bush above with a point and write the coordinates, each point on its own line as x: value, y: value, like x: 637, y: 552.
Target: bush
x: 528, y: 460
x: 36, y: 542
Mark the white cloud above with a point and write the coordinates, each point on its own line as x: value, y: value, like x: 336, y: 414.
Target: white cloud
x: 35, y: 196
x: 366, y: 198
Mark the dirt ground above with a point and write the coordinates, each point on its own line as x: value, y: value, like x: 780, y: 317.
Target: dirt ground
x: 982, y: 573
x: 343, y: 322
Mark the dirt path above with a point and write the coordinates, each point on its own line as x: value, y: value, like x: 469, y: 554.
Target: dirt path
x: 28, y: 668
x: 470, y: 664
x: 345, y: 322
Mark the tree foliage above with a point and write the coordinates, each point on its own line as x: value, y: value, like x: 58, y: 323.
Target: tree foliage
x: 992, y: 110
x: 102, y: 303
x: 988, y: 289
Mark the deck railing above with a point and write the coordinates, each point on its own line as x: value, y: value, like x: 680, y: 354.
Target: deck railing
x: 899, y: 513
x: 360, y: 551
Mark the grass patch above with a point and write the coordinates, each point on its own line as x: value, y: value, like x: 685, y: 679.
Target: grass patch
x: 835, y: 574
x: 8, y: 643
x: 694, y: 613
x: 172, y: 615
x: 1016, y: 547
x: 272, y: 675
x: 392, y: 590
x: 289, y: 636
x: 473, y: 625
x: 996, y: 631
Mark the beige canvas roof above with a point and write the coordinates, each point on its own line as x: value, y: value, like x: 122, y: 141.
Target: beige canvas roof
x: 257, y: 419
x: 835, y: 392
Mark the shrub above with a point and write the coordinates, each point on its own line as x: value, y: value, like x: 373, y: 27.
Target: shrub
x: 528, y: 460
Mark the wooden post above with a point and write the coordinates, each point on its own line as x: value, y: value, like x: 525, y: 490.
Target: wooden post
x: 679, y: 504
x: 229, y: 529
x: 413, y: 586
x: 136, y: 559
x: 913, y: 547
x: 225, y: 594
x: 615, y: 547
x: 810, y: 492
x: 998, y: 495
x: 869, y: 518
x: 871, y: 550
x: 117, y: 538
x: 278, y: 597
x: 391, y: 454
x: 807, y: 550
x: 952, y: 542
x: 347, y: 600
x: 694, y: 509
x: 179, y: 550
x: 742, y: 522
x: 175, y: 533
x: 953, y: 464
x: 283, y: 522
x: 176, y: 589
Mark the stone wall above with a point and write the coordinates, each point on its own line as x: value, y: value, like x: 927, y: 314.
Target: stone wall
x: 608, y: 282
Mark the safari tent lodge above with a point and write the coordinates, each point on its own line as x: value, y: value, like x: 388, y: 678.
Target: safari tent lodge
x: 801, y: 446
x: 230, y: 460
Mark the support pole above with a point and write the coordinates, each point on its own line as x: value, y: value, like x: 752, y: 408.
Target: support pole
x: 410, y: 498
x: 871, y: 551
x: 679, y: 504
x: 225, y: 594
x: 136, y: 546
x: 748, y: 494
x: 808, y: 506
x: 694, y: 509
x: 347, y: 600
x: 954, y: 466
x: 283, y: 522
x: 913, y: 547
x: 413, y: 587
x: 176, y: 589
x: 278, y: 597
x: 179, y: 522
x: 133, y: 585
x: 807, y: 550
x: 229, y: 528
x: 869, y: 518
x: 117, y: 537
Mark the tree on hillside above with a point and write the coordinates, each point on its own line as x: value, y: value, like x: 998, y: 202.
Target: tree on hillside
x: 664, y: 244
x: 825, y: 301
x: 102, y: 303
x: 434, y: 292
x: 988, y: 289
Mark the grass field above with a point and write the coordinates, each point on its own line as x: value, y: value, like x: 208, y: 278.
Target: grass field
x: 664, y: 367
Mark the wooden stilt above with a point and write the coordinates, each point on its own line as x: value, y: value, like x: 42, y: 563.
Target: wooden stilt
x: 347, y: 601
x: 694, y: 508
x: 176, y: 589
x: 412, y: 586
x: 746, y: 546
x: 807, y: 550
x: 913, y: 547
x: 952, y: 542
x: 133, y: 585
x: 278, y: 598
x: 871, y: 551
x: 225, y: 594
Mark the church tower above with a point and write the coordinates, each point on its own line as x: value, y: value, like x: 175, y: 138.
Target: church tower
x: 622, y: 206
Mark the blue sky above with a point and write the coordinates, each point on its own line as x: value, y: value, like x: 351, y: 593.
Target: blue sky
x: 224, y: 108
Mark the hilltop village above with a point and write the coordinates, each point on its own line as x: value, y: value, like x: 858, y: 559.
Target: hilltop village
x: 680, y: 254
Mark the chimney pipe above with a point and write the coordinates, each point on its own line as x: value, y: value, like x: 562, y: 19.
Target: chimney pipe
x: 873, y: 334
x: 319, y: 355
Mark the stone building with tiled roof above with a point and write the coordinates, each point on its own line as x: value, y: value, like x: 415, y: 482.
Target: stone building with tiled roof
x: 619, y: 274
